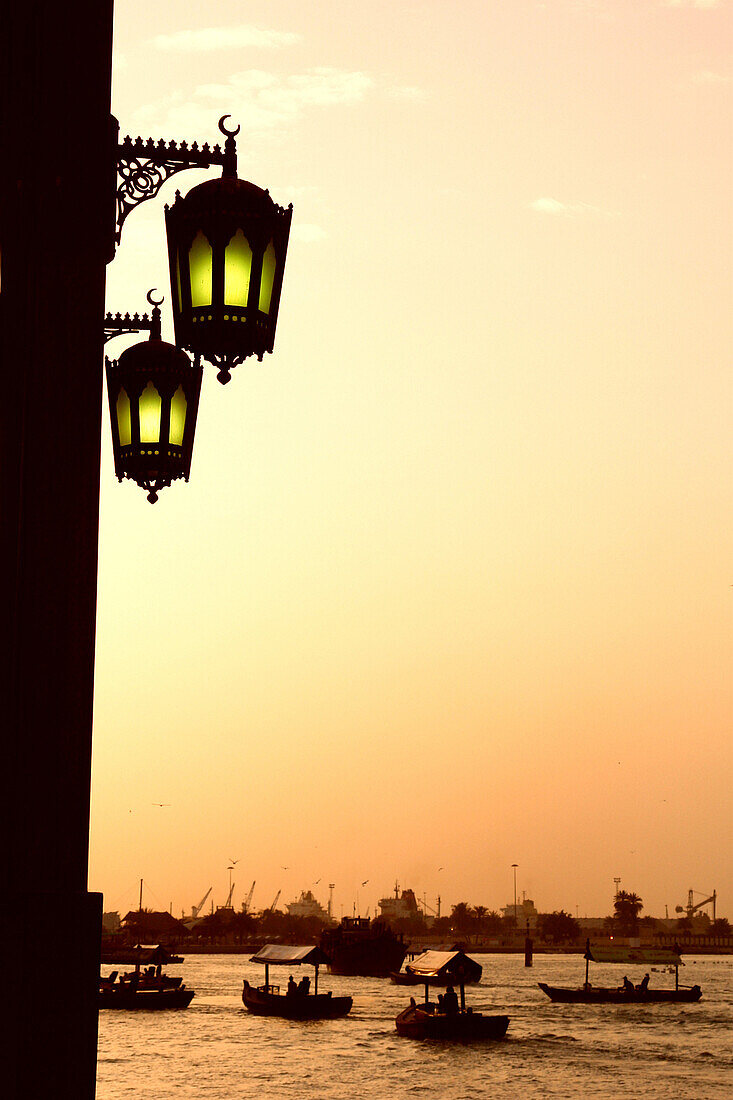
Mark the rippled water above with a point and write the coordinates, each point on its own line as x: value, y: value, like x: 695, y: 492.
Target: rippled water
x: 215, y: 1050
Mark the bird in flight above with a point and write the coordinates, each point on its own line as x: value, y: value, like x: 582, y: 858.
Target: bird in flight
x: 160, y: 803
x: 440, y: 868
x: 366, y: 880
x: 285, y: 868
x: 234, y: 862
x: 316, y: 882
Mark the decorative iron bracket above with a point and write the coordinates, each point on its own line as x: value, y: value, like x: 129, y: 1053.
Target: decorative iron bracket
x: 143, y: 166
x: 124, y: 324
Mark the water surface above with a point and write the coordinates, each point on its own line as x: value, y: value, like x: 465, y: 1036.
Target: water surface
x: 215, y: 1050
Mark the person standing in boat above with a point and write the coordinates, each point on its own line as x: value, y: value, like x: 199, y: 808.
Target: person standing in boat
x: 292, y: 987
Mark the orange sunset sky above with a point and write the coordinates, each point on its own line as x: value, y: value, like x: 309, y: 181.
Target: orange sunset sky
x: 451, y: 583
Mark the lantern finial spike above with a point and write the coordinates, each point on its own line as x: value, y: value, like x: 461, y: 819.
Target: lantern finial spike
x: 155, y: 320
x: 229, y: 164
x: 152, y: 496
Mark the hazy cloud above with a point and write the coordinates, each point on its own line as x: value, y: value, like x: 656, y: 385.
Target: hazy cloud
x: 245, y: 36
x: 547, y: 205
x: 692, y: 3
x: 707, y: 76
x: 259, y: 101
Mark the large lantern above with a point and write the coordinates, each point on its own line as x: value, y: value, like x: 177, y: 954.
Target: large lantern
x: 153, y: 391
x: 227, y: 242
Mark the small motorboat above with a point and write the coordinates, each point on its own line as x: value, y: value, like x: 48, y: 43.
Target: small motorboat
x: 447, y: 1018
x: 142, y: 991
x: 297, y: 1003
x: 627, y: 993
x: 439, y: 968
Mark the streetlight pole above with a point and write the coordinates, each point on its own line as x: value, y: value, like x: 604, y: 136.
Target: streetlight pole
x: 514, y: 868
x: 57, y: 193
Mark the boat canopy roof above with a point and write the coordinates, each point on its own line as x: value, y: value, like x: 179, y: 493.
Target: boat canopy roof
x: 285, y: 954
x: 152, y: 953
x: 431, y: 964
x: 644, y: 956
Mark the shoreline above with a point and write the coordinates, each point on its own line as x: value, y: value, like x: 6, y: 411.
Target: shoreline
x: 122, y: 955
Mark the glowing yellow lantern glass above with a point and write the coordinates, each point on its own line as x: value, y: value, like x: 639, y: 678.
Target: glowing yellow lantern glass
x: 150, y: 404
x: 200, y: 269
x: 237, y: 270
x: 124, y: 422
x: 179, y: 406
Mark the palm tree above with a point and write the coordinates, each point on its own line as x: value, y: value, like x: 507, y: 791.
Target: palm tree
x: 627, y: 907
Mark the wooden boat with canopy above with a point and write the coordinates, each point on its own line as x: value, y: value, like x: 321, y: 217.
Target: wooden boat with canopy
x: 298, y: 1003
x: 627, y: 993
x: 448, y: 1018
x: 450, y: 968
x: 145, y: 987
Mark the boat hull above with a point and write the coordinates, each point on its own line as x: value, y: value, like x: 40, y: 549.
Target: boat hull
x: 462, y: 1027
x: 595, y: 996
x: 144, y: 999
x: 313, y: 1006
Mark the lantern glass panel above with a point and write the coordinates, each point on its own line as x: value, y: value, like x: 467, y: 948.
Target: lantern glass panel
x: 178, y: 417
x: 200, y: 268
x: 178, y: 280
x: 124, y: 419
x: 237, y: 270
x: 150, y: 405
x: 268, y: 278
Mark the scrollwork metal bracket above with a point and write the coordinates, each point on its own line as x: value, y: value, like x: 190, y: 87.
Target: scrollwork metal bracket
x: 124, y: 324
x: 143, y: 166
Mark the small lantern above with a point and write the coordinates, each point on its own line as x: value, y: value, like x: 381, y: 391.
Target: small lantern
x: 227, y: 242
x: 153, y: 391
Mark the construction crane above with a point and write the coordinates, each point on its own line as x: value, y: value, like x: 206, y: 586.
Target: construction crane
x: 248, y: 899
x: 228, y: 903
x: 277, y: 899
x: 196, y: 909
x: 429, y: 909
x: 692, y: 907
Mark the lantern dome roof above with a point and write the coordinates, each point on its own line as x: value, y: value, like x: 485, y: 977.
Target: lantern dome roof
x: 228, y: 189
x: 154, y: 353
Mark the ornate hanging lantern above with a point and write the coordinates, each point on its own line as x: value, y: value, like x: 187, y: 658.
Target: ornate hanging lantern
x: 227, y: 242
x: 153, y: 391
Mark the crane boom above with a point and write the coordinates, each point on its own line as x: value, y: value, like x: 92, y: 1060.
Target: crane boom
x: 196, y: 909
x: 277, y: 898
x: 228, y: 902
x: 692, y: 907
x: 246, y: 903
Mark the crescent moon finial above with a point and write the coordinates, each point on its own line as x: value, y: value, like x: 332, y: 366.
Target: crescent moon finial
x: 222, y: 127
x: 152, y: 300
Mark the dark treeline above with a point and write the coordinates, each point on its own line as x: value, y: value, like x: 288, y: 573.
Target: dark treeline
x: 467, y: 923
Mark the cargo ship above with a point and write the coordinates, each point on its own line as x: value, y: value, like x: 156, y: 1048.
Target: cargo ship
x: 365, y: 947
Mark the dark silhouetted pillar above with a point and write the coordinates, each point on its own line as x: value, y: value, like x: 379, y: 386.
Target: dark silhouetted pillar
x: 56, y: 225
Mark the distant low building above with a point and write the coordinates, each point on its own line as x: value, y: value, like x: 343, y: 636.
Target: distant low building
x: 111, y: 922
x: 524, y: 913
x: 592, y: 924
